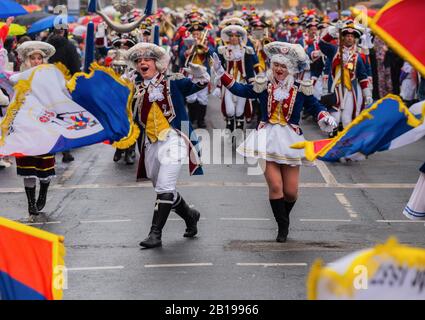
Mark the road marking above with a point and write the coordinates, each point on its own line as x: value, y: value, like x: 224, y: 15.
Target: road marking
x: 272, y: 264
x: 325, y: 220
x: 346, y: 204
x: 41, y: 223
x: 95, y: 268
x: 180, y: 219
x: 245, y: 219
x: 104, y: 221
x: 307, y: 185
x: 400, y: 221
x: 326, y: 173
x: 177, y: 265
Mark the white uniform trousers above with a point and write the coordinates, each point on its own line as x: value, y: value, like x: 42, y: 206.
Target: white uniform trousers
x: 235, y: 106
x: 163, y: 161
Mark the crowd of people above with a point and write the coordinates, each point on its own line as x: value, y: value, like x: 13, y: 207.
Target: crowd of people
x: 270, y: 70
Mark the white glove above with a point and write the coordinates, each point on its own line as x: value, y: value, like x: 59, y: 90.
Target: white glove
x: 327, y: 123
x: 4, y: 100
x: 217, y: 92
x: 333, y: 31
x: 367, y: 96
x: 130, y: 75
x: 315, y: 54
x: 218, y: 68
x: 199, y: 73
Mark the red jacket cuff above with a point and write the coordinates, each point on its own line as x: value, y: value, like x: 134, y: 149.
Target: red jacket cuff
x: 327, y: 38
x: 322, y: 114
x: 227, y: 80
x: 364, y: 83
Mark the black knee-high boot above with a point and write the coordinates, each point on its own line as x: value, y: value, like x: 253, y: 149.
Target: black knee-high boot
x: 240, y: 122
x: 189, y: 215
x: 230, y: 123
x: 42, y: 196
x: 164, y: 202
x: 32, y: 207
x: 192, y: 111
x: 282, y: 218
x: 202, y: 111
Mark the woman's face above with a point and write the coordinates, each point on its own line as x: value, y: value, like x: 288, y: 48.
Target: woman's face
x: 280, y: 71
x: 234, y: 39
x: 36, y: 59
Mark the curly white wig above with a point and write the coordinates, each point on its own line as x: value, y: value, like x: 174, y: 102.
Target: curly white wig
x: 291, y: 55
x: 148, y: 51
x: 226, y: 32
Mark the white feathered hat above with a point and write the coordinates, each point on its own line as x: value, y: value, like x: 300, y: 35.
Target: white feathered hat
x: 28, y: 48
x: 291, y: 55
x: 226, y: 32
x: 149, y: 51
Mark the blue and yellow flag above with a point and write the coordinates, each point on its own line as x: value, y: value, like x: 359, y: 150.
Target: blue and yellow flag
x: 52, y: 112
x: 387, y: 124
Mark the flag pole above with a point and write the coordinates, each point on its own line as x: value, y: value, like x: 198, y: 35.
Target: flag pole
x: 341, y: 55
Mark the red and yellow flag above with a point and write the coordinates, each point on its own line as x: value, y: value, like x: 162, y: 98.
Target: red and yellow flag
x: 31, y: 263
x: 400, y: 24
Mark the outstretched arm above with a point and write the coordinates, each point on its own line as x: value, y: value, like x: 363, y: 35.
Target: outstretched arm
x: 238, y: 89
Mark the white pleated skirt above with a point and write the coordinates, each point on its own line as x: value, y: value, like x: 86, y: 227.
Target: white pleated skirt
x: 273, y: 143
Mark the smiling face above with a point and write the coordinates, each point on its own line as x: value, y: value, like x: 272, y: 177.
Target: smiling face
x: 35, y: 59
x: 146, y: 67
x: 280, y: 71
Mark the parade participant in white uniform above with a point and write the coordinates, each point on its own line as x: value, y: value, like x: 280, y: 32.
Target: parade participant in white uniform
x: 159, y: 105
x: 356, y: 87
x: 238, y: 59
x: 282, y: 99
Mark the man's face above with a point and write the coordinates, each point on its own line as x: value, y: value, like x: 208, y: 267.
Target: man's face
x: 197, y: 35
x: 349, y: 40
x: 147, y: 68
x: 312, y: 31
x: 280, y: 71
x: 36, y: 59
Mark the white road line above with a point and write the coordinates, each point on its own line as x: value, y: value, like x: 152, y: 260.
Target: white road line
x: 245, y: 219
x: 250, y: 264
x: 325, y: 220
x: 95, y: 268
x: 105, y: 221
x: 40, y: 223
x: 346, y: 204
x: 326, y: 173
x: 177, y: 265
x: 308, y: 185
x: 180, y: 219
x: 400, y: 221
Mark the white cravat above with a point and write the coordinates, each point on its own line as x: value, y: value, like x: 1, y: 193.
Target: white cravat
x: 155, y: 91
x: 281, y: 92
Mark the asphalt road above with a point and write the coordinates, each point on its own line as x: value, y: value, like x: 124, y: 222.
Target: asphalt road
x: 104, y: 213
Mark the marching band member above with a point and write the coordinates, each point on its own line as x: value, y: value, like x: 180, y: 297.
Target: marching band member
x: 282, y: 99
x: 161, y: 116
x: 198, y: 53
x: 238, y: 59
x: 116, y: 59
x: 31, y: 168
